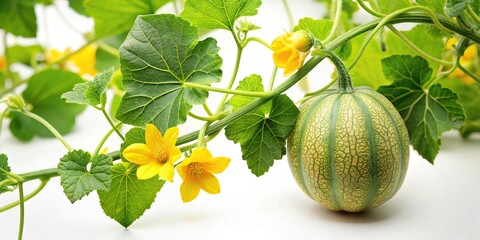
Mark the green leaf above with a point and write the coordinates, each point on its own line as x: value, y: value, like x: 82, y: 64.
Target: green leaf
x: 218, y: 14
x: 160, y: 54
x: 435, y: 5
x: 77, y: 6
x: 18, y: 17
x: 128, y: 197
x: 368, y: 71
x: 77, y: 181
x: 4, y: 167
x: 318, y: 28
x: 23, y: 54
x: 468, y: 97
x: 43, y: 98
x: 91, y: 93
x: 427, y: 112
x: 44, y: 2
x: 455, y: 7
x: 262, y: 132
x: 104, y: 59
x: 389, y: 6
x: 134, y: 135
x: 117, y: 16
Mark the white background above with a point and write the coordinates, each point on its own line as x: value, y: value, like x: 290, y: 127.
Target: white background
x: 435, y: 202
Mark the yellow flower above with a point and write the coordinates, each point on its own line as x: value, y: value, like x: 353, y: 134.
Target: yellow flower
x: 197, y: 172
x: 467, y: 60
x: 82, y: 62
x: 290, y: 50
x: 3, y: 63
x: 157, y: 156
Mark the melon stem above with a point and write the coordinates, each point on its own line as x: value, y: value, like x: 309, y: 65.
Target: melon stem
x: 344, y: 80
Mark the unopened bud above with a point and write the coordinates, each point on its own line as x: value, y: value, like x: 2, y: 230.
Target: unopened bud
x: 15, y: 102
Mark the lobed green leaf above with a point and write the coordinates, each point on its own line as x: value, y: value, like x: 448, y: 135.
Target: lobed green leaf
x: 218, y: 14
x: 77, y: 181
x: 454, y: 8
x: 160, y: 54
x: 4, y: 167
x: 427, y: 112
x: 263, y: 131
x: 128, y: 197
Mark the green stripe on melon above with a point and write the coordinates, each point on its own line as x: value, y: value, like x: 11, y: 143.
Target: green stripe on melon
x: 349, y: 149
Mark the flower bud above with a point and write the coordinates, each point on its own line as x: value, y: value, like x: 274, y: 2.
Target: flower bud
x: 15, y: 102
x: 290, y: 50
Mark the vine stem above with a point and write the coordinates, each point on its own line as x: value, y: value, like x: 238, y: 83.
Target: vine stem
x: 225, y: 90
x: 49, y: 127
x: 234, y: 73
x: 104, y: 139
x: 29, y: 196
x: 289, y: 14
x: 472, y: 14
x: 369, y: 10
x: 336, y: 21
x: 416, y: 49
x: 22, y: 211
x: 255, y: 39
x: 110, y: 121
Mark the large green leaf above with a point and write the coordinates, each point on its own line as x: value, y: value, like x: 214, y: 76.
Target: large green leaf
x: 42, y: 96
x: 128, y: 197
x: 91, y: 93
x: 435, y: 5
x: 368, y: 71
x: 262, y: 132
x: 77, y: 181
x: 4, y: 168
x: 455, y: 7
x: 18, y: 17
x: 160, y: 54
x: 116, y: 16
x: 427, y: 112
x: 218, y: 14
x: 77, y: 6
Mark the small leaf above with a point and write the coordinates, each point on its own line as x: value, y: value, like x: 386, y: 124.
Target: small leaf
x: 4, y: 167
x: 77, y: 181
x: 43, y: 97
x: 318, y: 28
x: 18, y: 17
x: 262, y: 132
x: 134, y: 135
x: 427, y: 112
x: 218, y: 14
x: 455, y: 7
x: 128, y: 197
x: 91, y: 93
x: 117, y: 16
x: 153, y: 74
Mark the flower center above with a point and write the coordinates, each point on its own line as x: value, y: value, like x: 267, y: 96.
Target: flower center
x: 162, y: 155
x: 195, y: 169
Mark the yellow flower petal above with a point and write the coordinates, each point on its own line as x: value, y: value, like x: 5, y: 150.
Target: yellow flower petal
x: 149, y: 170
x: 201, y: 155
x: 170, y: 136
x: 84, y: 60
x: 138, y: 153
x: 216, y: 165
x: 166, y: 171
x: 153, y: 137
x: 189, y: 190
x: 182, y: 170
x: 209, y: 183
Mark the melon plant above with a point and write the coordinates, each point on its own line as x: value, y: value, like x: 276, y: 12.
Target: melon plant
x: 349, y: 148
